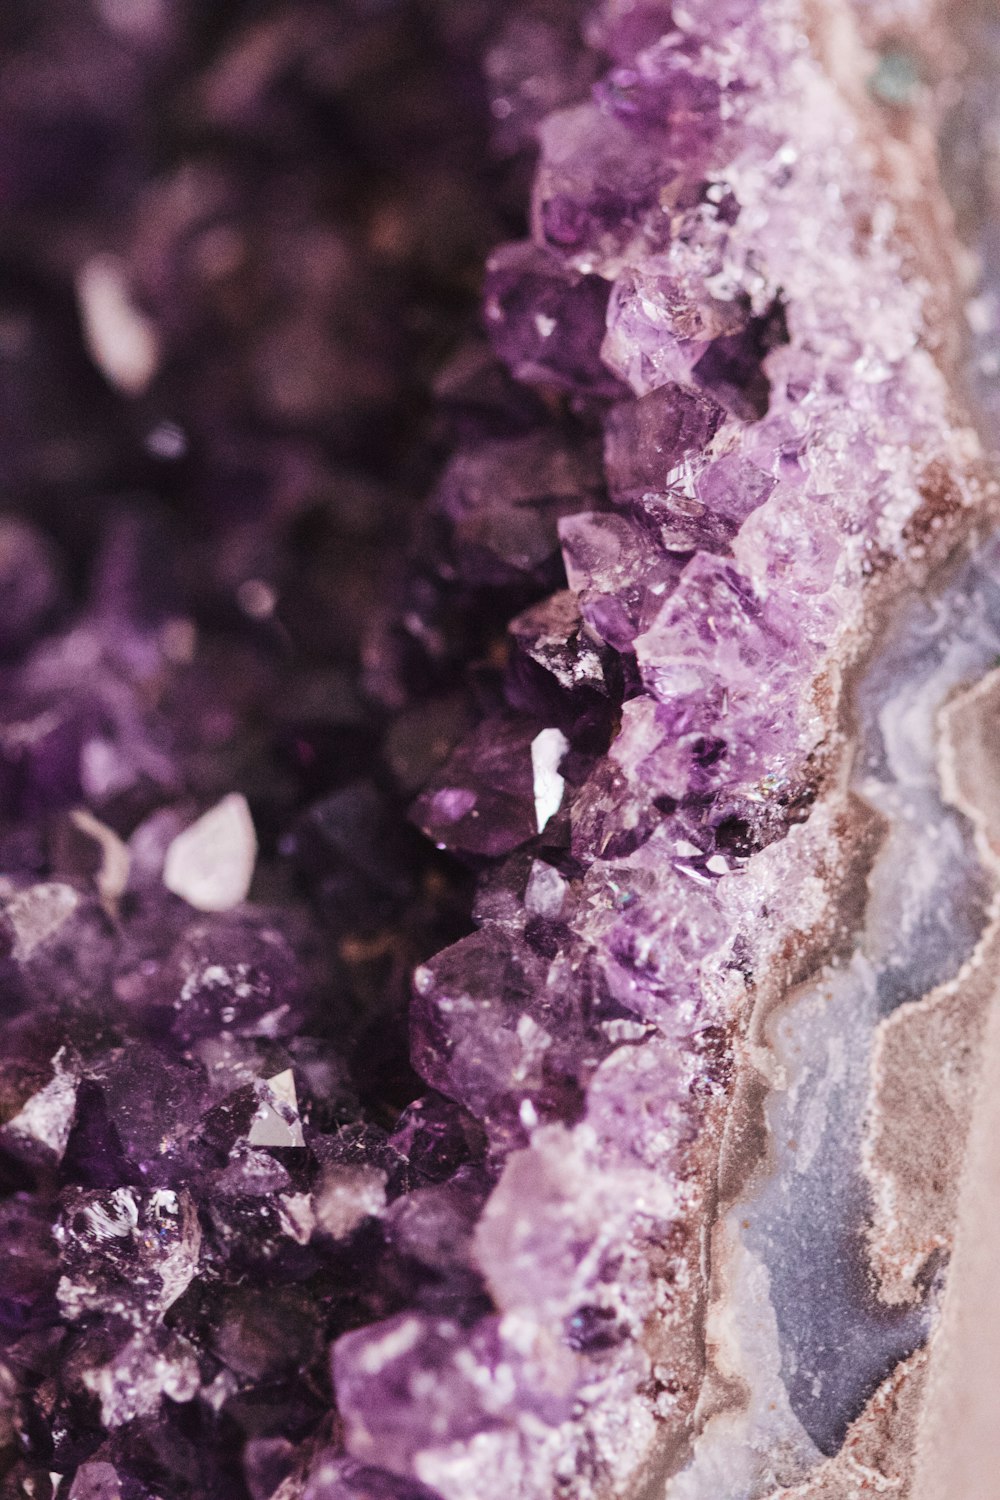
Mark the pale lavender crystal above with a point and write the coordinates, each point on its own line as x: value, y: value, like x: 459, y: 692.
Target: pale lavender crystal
x: 732, y: 487
x: 660, y: 325
x: 704, y: 503
x: 413, y: 1376
x: 647, y: 441
x: 715, y: 666
x: 434, y: 1225
x: 618, y: 573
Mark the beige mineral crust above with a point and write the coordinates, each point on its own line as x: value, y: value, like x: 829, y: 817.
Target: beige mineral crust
x: 876, y: 1458
x: 958, y: 1436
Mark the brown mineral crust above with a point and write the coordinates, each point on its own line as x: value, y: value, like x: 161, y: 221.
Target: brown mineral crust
x: 877, y: 1454
x: 926, y: 1053
x: 923, y: 1073
x: 674, y: 1337
x: 941, y: 510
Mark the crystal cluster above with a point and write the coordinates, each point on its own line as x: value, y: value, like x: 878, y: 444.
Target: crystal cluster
x: 449, y: 453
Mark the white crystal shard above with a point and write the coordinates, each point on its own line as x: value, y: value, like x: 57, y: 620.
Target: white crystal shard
x: 211, y: 864
x: 547, y: 750
x: 121, y: 340
x: 43, y: 1124
x: 277, y: 1122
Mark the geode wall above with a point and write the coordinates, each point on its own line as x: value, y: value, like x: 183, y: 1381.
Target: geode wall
x: 478, y: 483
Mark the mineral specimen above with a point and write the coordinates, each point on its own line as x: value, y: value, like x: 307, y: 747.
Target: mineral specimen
x: 488, y: 869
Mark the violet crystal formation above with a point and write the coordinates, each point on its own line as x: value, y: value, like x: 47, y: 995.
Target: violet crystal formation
x: 455, y: 460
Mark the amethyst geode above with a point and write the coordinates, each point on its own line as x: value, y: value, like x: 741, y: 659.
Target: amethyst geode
x: 347, y: 1157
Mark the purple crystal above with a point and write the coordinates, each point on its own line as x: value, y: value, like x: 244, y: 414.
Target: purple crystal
x: 505, y: 499
x: 495, y: 792
x: 148, y: 1103
x: 546, y: 324
x: 472, y: 1029
x: 234, y: 974
x: 436, y: 1136
x: 647, y: 440
x: 664, y: 91
x: 597, y: 189
x: 496, y: 596
x: 618, y: 573
x: 413, y: 1379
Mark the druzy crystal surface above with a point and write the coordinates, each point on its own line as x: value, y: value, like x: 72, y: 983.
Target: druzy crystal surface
x: 454, y: 460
